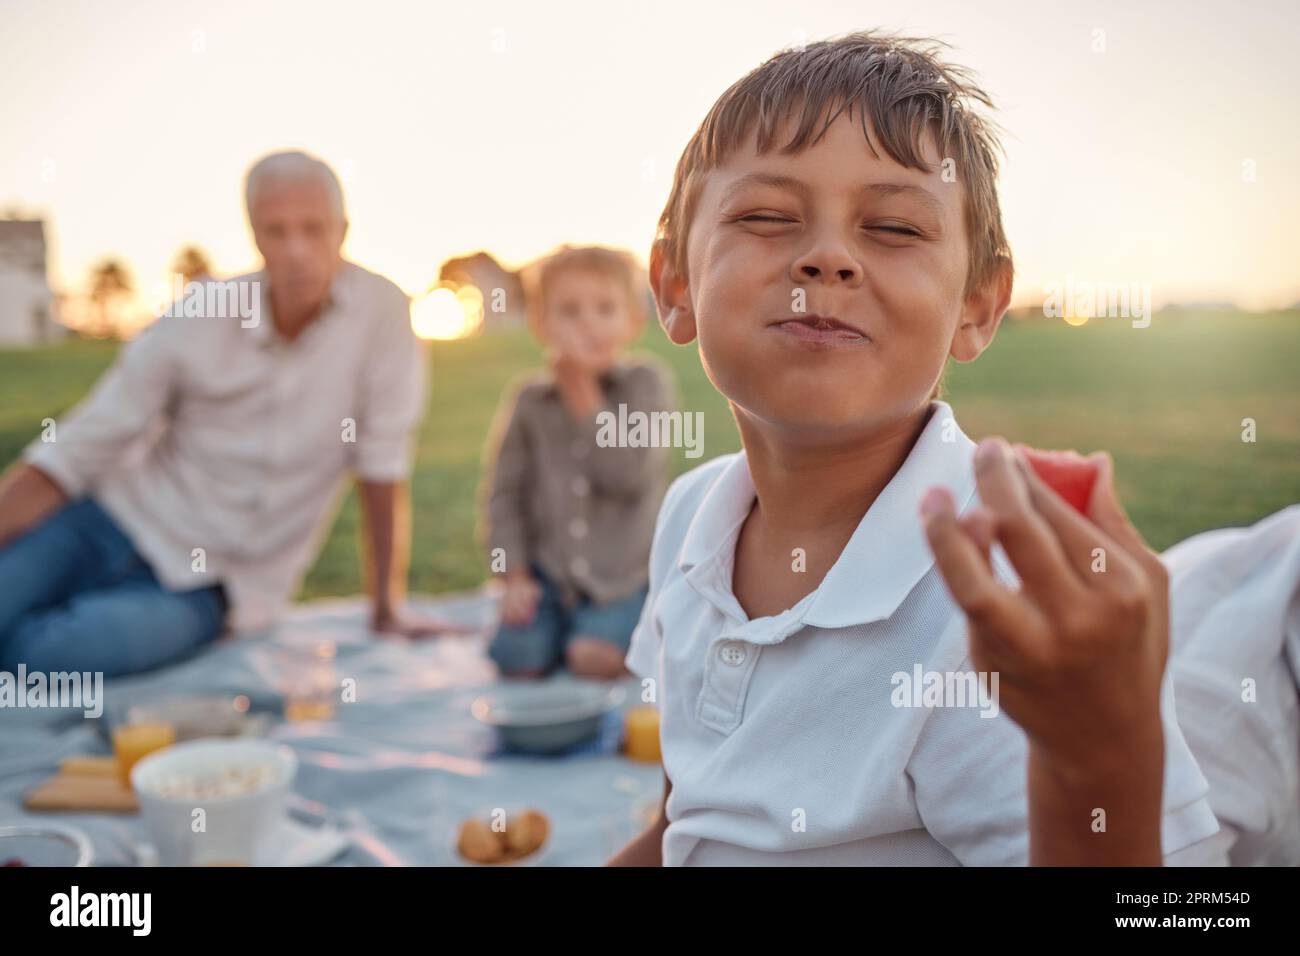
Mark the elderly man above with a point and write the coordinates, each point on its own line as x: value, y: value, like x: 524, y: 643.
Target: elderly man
x: 189, y: 489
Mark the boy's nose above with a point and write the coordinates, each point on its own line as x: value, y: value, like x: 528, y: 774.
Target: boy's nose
x: 829, y: 264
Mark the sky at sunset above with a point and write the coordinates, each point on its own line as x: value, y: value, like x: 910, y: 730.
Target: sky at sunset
x: 1163, y: 149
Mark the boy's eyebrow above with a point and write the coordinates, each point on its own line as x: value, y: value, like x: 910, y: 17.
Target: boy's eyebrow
x: 796, y: 186
x: 801, y: 189
x: 905, y: 189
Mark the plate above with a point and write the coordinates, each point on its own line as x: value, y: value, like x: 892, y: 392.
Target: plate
x: 532, y: 859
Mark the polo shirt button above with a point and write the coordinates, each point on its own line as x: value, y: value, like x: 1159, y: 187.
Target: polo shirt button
x: 580, y: 485
x: 732, y: 653
x: 578, y: 528
x: 579, y: 566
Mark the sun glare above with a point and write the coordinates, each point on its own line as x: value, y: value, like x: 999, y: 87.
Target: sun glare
x: 448, y: 312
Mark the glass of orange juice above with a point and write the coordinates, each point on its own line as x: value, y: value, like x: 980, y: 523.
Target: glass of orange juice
x: 134, y: 742
x: 641, y: 734
x: 308, y: 680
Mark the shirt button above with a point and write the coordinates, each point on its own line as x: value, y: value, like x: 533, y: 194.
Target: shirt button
x: 732, y: 653
x: 578, y: 528
x: 580, y: 485
x: 578, y: 449
x: 579, y: 566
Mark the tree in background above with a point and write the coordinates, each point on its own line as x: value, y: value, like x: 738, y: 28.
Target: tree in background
x: 192, y: 263
x: 110, y: 285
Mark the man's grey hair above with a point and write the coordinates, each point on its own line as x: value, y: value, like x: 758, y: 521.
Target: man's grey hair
x: 292, y: 166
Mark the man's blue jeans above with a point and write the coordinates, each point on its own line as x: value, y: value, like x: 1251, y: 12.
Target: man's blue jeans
x: 75, y: 596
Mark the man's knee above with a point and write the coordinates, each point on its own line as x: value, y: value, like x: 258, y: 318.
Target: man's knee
x: 27, y: 642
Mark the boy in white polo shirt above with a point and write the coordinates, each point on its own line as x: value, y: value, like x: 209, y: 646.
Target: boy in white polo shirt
x: 832, y: 237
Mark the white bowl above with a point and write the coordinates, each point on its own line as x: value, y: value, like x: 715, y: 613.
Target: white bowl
x: 231, y: 825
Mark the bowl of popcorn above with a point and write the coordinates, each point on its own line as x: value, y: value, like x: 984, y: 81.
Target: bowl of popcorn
x: 213, y: 802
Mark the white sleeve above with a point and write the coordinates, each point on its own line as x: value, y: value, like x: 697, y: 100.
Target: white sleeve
x: 1235, y: 657
x: 643, y: 651
x: 968, y: 777
x: 392, y: 396
x: 129, y: 398
x: 971, y: 792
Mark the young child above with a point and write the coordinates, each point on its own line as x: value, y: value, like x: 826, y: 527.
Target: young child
x: 832, y: 237
x: 572, y: 520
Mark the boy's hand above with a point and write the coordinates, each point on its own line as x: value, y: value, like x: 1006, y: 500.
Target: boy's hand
x: 571, y: 355
x: 1081, y: 650
x: 519, y: 603
x: 576, y: 367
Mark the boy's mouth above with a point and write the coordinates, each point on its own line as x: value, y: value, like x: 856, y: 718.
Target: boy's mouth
x: 821, y: 330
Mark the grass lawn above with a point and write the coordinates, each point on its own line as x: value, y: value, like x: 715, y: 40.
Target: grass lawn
x: 1167, y: 401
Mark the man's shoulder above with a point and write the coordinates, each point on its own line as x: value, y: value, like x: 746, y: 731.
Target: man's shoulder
x: 366, y: 290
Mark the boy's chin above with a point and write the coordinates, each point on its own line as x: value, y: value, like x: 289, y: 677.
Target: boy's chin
x: 808, y: 421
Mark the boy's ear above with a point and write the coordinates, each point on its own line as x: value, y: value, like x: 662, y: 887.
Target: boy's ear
x: 981, y: 313
x: 672, y: 297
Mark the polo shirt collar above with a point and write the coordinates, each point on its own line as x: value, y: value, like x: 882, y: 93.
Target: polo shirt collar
x: 886, y: 557
x: 888, y: 554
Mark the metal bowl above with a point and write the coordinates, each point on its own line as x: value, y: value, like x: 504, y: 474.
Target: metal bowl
x: 548, y: 716
x: 44, y: 844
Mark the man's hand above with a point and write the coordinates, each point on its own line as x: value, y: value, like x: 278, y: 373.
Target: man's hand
x: 27, y: 497
x: 1080, y: 648
x: 406, y: 624
x: 520, y: 600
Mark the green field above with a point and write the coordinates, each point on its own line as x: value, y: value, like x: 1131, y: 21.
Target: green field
x: 1167, y: 401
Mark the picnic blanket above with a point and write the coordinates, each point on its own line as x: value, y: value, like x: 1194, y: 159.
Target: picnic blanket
x: 400, y: 768
x: 396, y: 771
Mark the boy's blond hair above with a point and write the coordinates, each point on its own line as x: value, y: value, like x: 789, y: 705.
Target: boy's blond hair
x: 897, y: 87
x: 539, y: 279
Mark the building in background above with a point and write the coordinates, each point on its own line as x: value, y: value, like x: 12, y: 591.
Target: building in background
x: 27, y: 306
x: 502, y: 290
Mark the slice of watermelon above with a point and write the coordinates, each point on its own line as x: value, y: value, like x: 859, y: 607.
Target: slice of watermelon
x: 1067, y: 473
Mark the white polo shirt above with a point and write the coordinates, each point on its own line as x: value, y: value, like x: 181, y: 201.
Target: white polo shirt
x: 781, y: 736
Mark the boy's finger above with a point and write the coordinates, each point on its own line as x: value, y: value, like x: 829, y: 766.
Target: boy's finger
x: 1105, y: 510
x: 1026, y: 537
x: 986, y: 602
x: 978, y: 525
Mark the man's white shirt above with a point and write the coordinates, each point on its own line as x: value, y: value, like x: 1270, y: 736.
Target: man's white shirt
x: 219, y: 447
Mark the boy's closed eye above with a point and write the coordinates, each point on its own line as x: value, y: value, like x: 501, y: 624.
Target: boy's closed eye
x: 777, y: 222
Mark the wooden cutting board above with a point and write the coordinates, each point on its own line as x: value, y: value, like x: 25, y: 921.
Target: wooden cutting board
x: 84, y: 783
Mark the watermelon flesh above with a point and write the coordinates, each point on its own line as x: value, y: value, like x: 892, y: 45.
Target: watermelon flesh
x: 1067, y: 473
